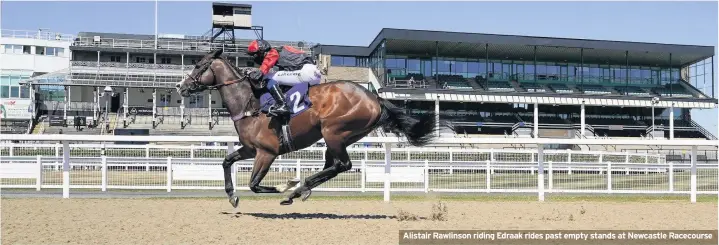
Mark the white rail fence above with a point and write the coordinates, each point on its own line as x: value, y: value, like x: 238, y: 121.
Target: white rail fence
x: 384, y: 169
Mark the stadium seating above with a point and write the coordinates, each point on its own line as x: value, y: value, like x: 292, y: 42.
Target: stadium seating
x: 593, y: 89
x: 561, y: 88
x: 632, y: 91
x: 453, y: 82
x: 533, y: 87
x: 672, y: 90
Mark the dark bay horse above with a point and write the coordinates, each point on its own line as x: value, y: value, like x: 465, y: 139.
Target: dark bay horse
x: 342, y: 113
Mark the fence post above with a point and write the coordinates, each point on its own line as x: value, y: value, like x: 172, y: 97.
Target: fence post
x: 609, y: 176
x: 12, y: 150
x: 192, y: 151
x: 364, y: 175
x: 38, y: 181
x: 671, y: 176
x: 426, y: 176
x: 489, y: 178
x: 298, y: 167
x: 540, y: 173
x: 104, y: 172
x: 169, y: 174
x: 569, y: 163
x: 65, y: 169
x: 693, y: 193
x: 147, y: 155
x: 551, y: 175
x: 57, y: 156
x: 387, y: 170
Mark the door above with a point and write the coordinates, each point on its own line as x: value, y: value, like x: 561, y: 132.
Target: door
x: 115, y: 102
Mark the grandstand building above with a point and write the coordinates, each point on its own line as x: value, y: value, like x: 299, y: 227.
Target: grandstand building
x: 25, y: 54
x: 486, y: 85
x: 521, y: 86
x: 124, y: 83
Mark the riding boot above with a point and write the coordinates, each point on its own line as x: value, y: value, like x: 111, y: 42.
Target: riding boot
x: 281, y: 107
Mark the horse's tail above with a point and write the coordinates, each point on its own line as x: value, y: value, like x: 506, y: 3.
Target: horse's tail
x: 419, y: 132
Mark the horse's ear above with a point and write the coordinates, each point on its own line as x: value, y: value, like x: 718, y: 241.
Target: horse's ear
x: 216, y: 53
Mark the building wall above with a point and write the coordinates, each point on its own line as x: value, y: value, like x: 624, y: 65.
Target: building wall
x: 335, y: 73
x: 33, y: 54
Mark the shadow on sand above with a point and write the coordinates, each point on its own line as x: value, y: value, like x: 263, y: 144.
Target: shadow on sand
x: 312, y: 216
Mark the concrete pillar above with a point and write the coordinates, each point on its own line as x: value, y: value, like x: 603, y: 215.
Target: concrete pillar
x: 67, y: 101
x: 154, y: 105
x: 95, y: 101
x: 671, y: 122
x: 436, y: 113
x: 536, y: 121
x: 582, y: 118
x: 126, y: 103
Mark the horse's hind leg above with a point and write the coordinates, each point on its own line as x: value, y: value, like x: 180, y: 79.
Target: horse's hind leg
x: 336, y: 161
x: 238, y: 155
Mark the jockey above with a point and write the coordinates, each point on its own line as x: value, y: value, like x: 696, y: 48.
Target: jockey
x: 294, y: 67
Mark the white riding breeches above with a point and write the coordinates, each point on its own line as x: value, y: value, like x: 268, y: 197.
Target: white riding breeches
x: 308, y: 73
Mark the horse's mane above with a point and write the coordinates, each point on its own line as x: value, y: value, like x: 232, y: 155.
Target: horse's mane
x: 239, y: 71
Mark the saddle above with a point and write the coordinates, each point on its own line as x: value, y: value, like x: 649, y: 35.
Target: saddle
x: 297, y: 100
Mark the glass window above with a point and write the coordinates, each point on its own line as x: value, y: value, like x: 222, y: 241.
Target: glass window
x: 60, y: 52
x: 24, y: 92
x: 50, y: 51
x: 552, y: 70
x: 336, y: 60
x: 443, y: 66
x: 413, y: 65
x: 496, y: 67
x: 4, y: 91
x: 14, y: 80
x: 8, y: 48
x: 389, y: 63
x: 675, y: 75
x: 350, y: 61
x: 461, y: 67
x: 473, y: 67
x: 14, y: 91
x: 541, y: 69
x: 529, y: 69
x: 39, y: 50
x: 18, y: 49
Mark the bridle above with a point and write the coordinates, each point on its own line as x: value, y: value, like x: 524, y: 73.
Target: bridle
x: 196, y: 85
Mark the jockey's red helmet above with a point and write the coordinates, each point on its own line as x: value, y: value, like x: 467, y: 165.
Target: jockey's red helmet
x: 258, y: 47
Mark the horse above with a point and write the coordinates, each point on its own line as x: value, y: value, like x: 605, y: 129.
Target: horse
x: 341, y: 113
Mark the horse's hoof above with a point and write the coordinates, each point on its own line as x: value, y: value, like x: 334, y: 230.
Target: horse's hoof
x: 306, y: 194
x: 235, y: 201
x: 292, y: 183
x: 286, y: 202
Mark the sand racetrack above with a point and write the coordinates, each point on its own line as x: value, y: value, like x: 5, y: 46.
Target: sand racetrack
x: 264, y: 221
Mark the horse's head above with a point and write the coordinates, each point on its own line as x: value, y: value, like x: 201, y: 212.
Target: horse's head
x: 207, y: 74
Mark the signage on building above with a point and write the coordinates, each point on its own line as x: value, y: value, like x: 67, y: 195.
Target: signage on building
x: 220, y: 112
x: 56, y: 120
x: 140, y: 111
x: 16, y: 109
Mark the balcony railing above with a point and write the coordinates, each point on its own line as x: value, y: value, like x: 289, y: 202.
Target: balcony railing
x: 123, y: 65
x: 42, y: 35
x: 172, y: 44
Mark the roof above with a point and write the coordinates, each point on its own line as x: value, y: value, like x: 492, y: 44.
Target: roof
x: 235, y: 5
x: 513, y: 46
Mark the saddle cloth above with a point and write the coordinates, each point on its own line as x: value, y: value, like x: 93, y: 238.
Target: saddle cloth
x: 296, y: 97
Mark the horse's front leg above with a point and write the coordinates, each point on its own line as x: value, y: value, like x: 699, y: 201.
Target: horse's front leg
x: 240, y: 154
x: 263, y: 161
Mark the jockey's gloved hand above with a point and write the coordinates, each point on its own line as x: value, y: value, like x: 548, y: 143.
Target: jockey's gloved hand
x: 256, y: 75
